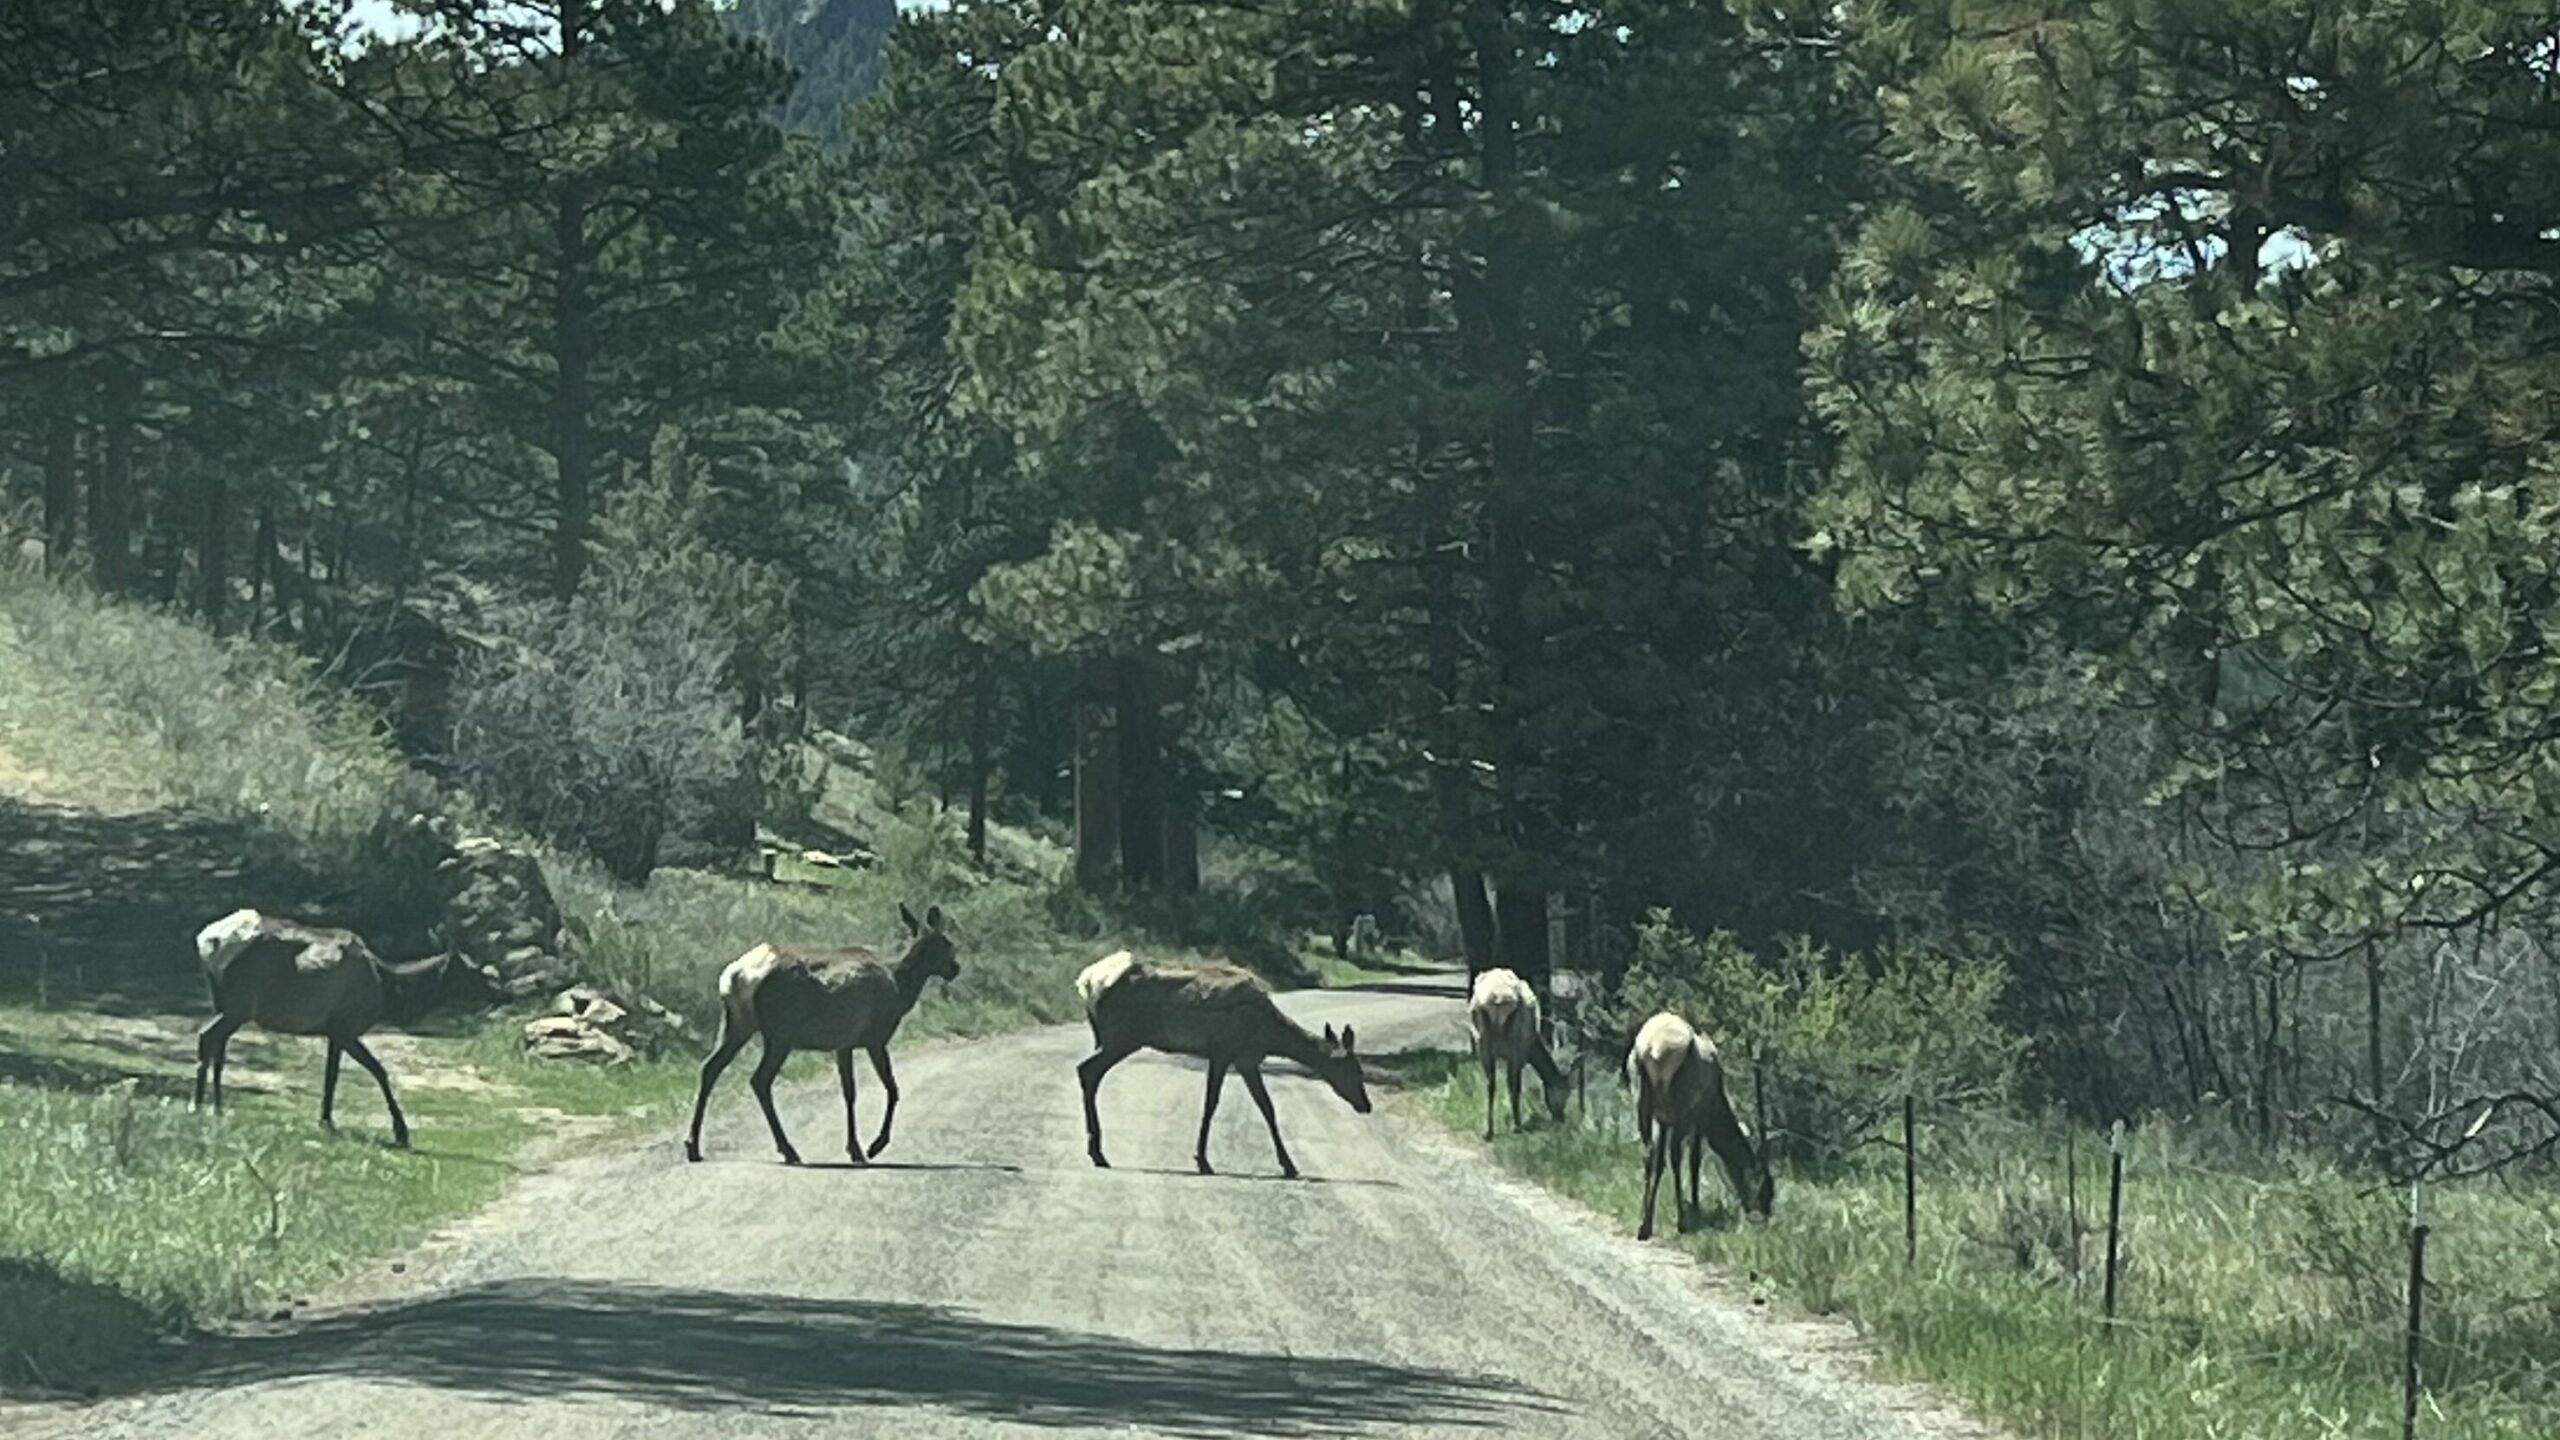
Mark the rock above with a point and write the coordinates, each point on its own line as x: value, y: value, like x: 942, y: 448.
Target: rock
x: 592, y: 1006
x: 591, y: 1024
x: 564, y: 1037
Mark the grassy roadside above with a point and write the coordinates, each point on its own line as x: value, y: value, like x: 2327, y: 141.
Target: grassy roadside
x: 124, y: 1218
x: 2259, y: 1299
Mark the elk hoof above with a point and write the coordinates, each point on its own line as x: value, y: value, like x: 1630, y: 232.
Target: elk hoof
x: 692, y: 1154
x: 1203, y: 1162
x: 1645, y: 1231
x: 876, y: 1147
x: 790, y: 1157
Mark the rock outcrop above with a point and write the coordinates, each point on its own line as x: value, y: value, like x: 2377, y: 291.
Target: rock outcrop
x: 500, y: 915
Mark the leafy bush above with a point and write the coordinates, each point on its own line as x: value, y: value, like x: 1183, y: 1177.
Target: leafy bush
x: 1838, y: 1040
x: 614, y: 723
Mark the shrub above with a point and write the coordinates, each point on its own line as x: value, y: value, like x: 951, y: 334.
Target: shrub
x: 1838, y: 1039
x: 615, y: 722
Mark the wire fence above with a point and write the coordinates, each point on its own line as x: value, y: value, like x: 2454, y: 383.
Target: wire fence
x: 2170, y: 1244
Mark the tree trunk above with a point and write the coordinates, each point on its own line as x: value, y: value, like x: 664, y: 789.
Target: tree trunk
x: 1520, y: 927
x: 1502, y: 360
x: 1475, y: 920
x: 111, y: 489
x: 1097, y: 764
x: 262, y: 565
x: 412, y: 481
x: 982, y: 705
x: 1142, y: 779
x: 61, y: 490
x: 573, y: 354
x: 1181, y: 848
x: 213, y: 548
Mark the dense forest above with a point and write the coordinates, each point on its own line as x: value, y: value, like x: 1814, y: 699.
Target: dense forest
x: 2057, y: 485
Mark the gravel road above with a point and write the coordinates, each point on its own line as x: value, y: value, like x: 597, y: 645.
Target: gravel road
x: 983, y: 1280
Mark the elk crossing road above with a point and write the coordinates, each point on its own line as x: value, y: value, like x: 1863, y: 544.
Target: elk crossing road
x: 982, y: 1279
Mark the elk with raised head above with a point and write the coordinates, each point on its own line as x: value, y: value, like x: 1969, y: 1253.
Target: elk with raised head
x: 1503, y: 1012
x: 1680, y: 1101
x: 1220, y: 1013
x: 295, y: 979
x: 840, y: 1001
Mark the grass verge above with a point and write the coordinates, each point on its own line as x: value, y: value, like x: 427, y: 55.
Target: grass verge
x: 125, y: 1219
x: 2258, y: 1299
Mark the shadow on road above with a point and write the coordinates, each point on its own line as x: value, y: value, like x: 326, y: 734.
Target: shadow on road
x: 701, y: 1350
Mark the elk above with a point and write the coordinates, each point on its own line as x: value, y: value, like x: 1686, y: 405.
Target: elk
x: 1680, y: 1100
x: 295, y: 979
x: 1503, y: 1012
x: 1220, y: 1013
x: 839, y: 1000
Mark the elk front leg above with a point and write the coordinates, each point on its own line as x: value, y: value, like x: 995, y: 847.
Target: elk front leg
x: 711, y: 1069
x: 1514, y: 1068
x: 1262, y: 1102
x: 1488, y: 1094
x: 889, y: 1090
x: 1089, y: 1073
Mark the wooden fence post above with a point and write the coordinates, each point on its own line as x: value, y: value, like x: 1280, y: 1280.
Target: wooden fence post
x: 1910, y: 1181
x: 2115, y: 1210
x: 2409, y: 1371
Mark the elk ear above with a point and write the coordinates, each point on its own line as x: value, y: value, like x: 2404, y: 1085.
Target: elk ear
x: 1328, y: 1033
x: 1346, y: 1039
x: 933, y: 918
x: 909, y: 916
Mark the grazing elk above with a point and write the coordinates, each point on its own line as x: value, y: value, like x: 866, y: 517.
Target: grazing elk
x: 835, y: 1000
x: 297, y: 979
x: 1222, y: 1014
x: 1503, y: 1012
x: 1680, y: 1100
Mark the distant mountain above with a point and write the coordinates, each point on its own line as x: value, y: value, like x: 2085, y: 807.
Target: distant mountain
x: 834, y: 44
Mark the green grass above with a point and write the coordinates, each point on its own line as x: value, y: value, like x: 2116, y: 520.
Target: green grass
x: 126, y: 1219
x: 2258, y: 1299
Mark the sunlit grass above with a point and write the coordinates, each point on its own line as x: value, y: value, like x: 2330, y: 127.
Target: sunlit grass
x: 125, y: 1218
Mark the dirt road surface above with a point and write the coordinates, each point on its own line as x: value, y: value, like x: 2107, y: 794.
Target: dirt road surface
x: 983, y: 1280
